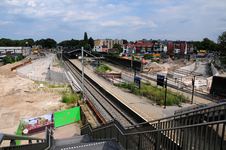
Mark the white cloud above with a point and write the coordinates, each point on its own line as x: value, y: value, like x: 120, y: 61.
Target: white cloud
x: 5, y: 22
x: 110, y: 23
x: 168, y: 18
x: 31, y: 3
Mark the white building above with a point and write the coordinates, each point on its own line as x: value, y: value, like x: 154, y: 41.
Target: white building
x: 24, y: 51
x: 97, y: 49
x: 127, y: 48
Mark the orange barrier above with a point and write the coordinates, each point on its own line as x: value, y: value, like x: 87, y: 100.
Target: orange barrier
x: 94, y: 108
x: 13, y: 68
x: 156, y: 54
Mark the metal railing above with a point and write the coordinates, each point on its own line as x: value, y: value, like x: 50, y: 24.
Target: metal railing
x: 41, y: 144
x: 208, y: 114
x: 192, y: 108
x: 201, y: 136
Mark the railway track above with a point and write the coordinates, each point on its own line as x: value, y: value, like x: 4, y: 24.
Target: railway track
x: 106, y: 110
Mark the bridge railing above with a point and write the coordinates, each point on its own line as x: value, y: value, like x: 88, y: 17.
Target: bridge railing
x: 201, y: 136
x: 41, y: 144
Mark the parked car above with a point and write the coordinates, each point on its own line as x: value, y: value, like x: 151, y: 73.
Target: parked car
x: 42, y: 54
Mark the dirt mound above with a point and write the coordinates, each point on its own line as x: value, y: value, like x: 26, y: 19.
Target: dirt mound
x: 154, y: 64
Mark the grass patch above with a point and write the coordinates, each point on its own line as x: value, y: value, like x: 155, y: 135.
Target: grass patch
x: 102, y: 68
x: 151, y: 92
x: 70, y: 98
x: 56, y: 86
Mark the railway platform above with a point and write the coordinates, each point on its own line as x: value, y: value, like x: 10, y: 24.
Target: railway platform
x: 140, y: 105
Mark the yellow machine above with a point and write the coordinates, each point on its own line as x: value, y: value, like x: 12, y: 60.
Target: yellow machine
x: 202, y: 51
x: 35, y: 51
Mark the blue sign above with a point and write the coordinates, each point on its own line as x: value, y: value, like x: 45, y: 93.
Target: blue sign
x: 160, y: 80
x: 160, y: 76
x: 137, y: 82
x: 138, y: 78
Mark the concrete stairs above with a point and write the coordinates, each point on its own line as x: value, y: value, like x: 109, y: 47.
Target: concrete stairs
x: 84, y: 142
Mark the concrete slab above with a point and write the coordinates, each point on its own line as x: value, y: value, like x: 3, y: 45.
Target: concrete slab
x: 41, y: 69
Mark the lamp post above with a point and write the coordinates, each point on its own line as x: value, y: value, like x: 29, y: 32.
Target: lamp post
x: 61, y: 53
x: 82, y: 75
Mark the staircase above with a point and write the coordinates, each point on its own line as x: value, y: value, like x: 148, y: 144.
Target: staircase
x: 199, y: 129
x: 86, y: 143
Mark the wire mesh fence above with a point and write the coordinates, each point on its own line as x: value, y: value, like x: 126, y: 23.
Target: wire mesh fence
x: 43, y: 79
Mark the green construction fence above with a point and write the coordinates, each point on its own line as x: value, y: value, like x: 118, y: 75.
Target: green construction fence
x: 66, y: 117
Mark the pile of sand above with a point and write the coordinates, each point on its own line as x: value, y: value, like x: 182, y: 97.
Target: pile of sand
x: 156, y: 67
x: 169, y: 60
x: 154, y: 64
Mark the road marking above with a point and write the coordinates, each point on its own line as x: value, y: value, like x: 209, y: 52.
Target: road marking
x: 84, y: 145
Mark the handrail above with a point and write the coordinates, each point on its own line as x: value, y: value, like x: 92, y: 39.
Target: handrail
x: 186, y: 109
x: 48, y: 138
x: 16, y: 137
x: 158, y: 130
x: 184, y: 113
x: 181, y: 127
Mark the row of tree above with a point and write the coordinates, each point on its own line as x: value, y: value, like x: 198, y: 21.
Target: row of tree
x: 207, y: 44
x: 10, y: 60
x: 87, y: 43
x: 48, y: 43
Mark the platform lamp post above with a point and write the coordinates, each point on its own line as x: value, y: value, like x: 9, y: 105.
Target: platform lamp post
x: 165, y: 92
x: 193, y: 87
x: 61, y: 54
x: 82, y: 75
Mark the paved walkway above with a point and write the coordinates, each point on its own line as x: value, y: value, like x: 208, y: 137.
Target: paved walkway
x: 140, y: 105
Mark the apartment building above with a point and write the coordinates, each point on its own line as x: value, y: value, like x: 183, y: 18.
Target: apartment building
x: 107, y: 42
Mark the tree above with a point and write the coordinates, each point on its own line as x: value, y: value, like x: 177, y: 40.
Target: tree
x: 154, y: 41
x: 198, y: 45
x: 6, y: 59
x: 13, y: 59
x: 87, y: 47
x: 118, y: 46
x: 19, y: 57
x: 85, y: 37
x: 17, y: 43
x: 125, y: 41
x: 31, y: 42
x: 222, y: 41
x: 208, y: 44
x: 91, y: 42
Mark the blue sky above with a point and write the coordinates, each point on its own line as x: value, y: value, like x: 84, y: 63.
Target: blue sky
x: 121, y: 19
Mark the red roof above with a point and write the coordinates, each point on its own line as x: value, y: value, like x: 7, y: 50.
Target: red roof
x: 145, y: 44
x: 125, y: 45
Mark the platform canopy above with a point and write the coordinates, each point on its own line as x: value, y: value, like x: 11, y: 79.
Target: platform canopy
x: 71, y: 51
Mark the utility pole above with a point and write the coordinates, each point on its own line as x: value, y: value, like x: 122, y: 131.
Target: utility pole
x: 165, y: 93
x: 193, y: 87
x: 131, y: 60
x: 61, y: 54
x: 82, y: 75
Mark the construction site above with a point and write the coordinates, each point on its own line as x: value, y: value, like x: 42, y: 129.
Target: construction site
x: 28, y: 88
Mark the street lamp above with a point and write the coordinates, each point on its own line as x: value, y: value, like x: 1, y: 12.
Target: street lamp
x: 82, y: 75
